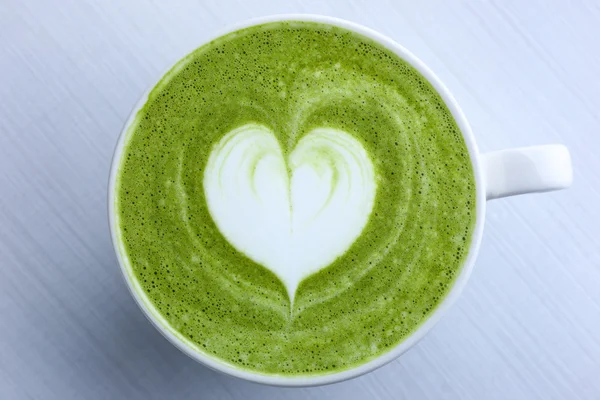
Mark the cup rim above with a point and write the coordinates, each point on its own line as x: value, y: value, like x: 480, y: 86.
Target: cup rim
x: 303, y: 380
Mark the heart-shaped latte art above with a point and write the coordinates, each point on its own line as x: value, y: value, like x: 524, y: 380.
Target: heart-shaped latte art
x: 293, y: 217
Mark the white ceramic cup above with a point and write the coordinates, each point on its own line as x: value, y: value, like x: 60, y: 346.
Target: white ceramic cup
x: 497, y: 174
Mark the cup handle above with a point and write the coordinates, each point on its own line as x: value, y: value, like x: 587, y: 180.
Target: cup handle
x: 526, y: 170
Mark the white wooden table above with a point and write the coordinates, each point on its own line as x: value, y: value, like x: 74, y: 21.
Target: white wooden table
x: 524, y: 72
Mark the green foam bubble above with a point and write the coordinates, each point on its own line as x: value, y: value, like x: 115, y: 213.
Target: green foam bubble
x: 293, y: 78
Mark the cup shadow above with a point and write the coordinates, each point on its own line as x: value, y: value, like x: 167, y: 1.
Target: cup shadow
x: 148, y: 361
x: 110, y: 349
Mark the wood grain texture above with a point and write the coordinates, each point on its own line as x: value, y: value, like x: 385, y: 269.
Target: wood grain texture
x: 524, y: 72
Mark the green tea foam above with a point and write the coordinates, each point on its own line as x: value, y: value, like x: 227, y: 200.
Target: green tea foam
x: 294, y: 199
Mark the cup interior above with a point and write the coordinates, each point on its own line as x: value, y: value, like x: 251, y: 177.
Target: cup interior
x: 153, y: 315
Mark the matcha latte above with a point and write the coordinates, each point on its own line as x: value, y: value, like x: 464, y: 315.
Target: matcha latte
x: 294, y: 199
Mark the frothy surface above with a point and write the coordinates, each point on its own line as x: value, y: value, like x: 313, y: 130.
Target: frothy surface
x: 291, y: 80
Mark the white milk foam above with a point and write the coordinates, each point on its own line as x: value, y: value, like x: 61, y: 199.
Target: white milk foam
x: 293, y: 217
